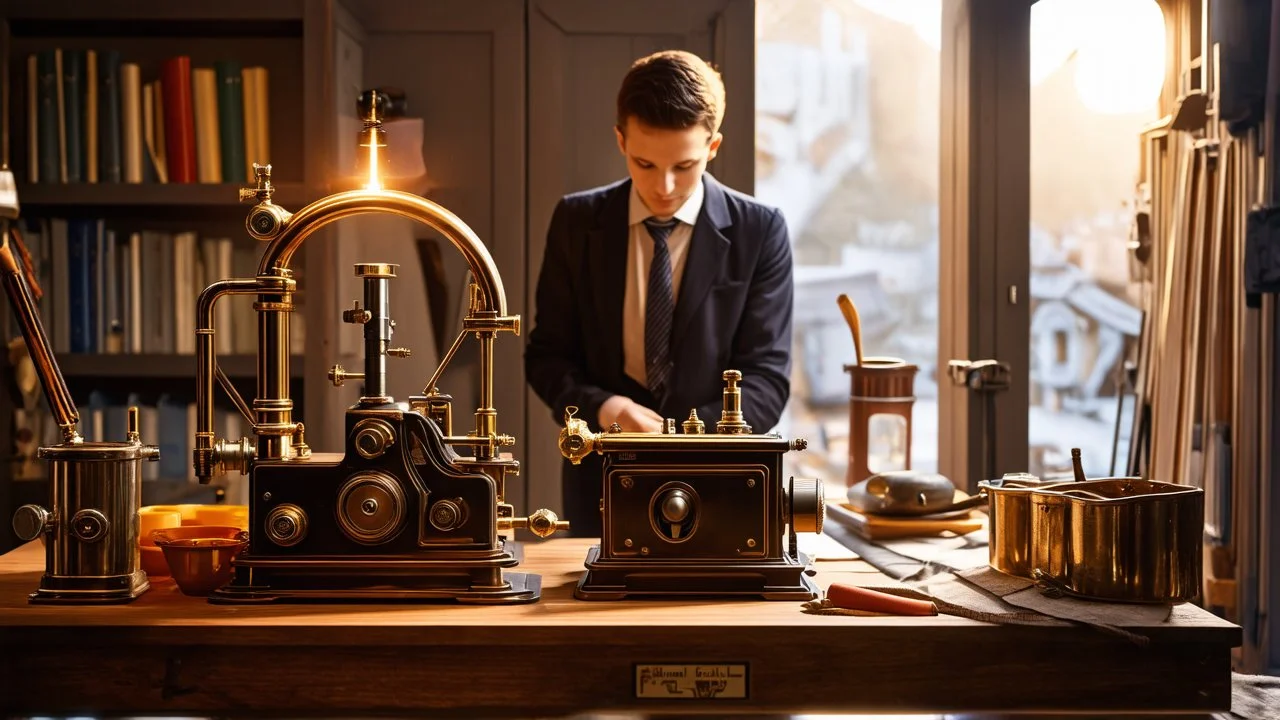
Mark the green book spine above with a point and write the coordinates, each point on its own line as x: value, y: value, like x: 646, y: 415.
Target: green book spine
x: 47, y: 113
x: 230, y: 119
x: 73, y: 99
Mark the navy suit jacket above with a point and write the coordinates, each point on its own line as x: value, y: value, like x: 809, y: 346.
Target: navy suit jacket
x: 734, y: 310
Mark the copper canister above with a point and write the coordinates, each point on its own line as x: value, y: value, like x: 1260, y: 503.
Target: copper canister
x: 879, y: 386
x: 1128, y: 539
x: 1009, y: 507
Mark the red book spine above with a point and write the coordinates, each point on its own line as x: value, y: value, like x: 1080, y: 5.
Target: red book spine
x: 179, y: 119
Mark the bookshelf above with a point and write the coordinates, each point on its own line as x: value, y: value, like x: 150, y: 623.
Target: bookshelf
x: 99, y: 197
x: 286, y: 40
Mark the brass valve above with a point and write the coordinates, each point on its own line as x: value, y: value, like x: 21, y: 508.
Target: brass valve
x: 338, y: 375
x: 264, y: 189
x: 731, y: 420
x: 266, y: 220
x: 542, y: 523
x: 356, y: 315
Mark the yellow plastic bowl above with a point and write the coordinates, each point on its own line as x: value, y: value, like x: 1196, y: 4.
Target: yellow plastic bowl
x: 156, y: 517
x: 187, y: 511
x: 227, y: 515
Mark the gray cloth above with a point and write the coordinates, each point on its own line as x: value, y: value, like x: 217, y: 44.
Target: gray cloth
x: 1254, y: 697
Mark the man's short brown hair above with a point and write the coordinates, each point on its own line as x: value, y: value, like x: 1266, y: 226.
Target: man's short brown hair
x: 672, y: 90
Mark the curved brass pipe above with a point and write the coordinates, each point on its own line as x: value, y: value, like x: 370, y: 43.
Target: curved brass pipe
x: 203, y: 456
x: 358, y: 202
x: 273, y: 408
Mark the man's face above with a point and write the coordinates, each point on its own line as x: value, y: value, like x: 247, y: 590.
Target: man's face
x: 666, y: 165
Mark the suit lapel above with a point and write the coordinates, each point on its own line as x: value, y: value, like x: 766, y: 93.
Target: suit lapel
x: 708, y: 247
x: 607, y: 259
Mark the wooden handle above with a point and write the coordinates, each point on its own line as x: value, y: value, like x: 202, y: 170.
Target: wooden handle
x: 855, y: 325
x: 852, y: 597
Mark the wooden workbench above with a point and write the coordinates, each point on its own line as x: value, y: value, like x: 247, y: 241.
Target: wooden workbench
x: 168, y: 653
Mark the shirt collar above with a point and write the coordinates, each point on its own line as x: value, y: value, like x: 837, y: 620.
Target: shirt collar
x: 688, y: 213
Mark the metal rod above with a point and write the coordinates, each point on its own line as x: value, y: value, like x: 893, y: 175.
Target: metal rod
x: 46, y: 364
x: 273, y: 408
x: 377, y: 336
x: 232, y: 393
x: 435, y: 377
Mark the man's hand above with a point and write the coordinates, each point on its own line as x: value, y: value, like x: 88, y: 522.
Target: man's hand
x: 630, y: 415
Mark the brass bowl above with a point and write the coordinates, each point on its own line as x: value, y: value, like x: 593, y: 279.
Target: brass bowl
x: 200, y: 562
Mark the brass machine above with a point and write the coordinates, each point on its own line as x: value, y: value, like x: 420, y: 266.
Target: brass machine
x: 697, y: 513
x: 399, y: 514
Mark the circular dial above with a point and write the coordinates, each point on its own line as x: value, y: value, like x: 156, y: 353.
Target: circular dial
x: 371, y: 507
x: 286, y: 525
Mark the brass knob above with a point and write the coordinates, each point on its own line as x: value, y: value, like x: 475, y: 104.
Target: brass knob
x: 30, y: 521
x: 447, y: 515
x: 694, y: 425
x: 372, y: 437
x: 400, y: 352
x: 808, y: 505
x: 675, y: 507
x: 286, y: 525
x: 545, y: 523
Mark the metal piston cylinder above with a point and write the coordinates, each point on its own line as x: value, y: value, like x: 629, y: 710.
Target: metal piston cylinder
x: 91, y: 529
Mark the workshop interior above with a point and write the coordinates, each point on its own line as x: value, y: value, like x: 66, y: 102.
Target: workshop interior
x: 271, y: 397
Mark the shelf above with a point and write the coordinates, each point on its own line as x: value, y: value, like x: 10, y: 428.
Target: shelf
x: 76, y: 365
x: 79, y: 196
x: 134, y: 18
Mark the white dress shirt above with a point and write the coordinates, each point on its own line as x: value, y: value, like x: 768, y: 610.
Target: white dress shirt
x: 639, y: 257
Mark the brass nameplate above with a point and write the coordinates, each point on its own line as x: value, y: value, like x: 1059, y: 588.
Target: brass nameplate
x: 691, y: 682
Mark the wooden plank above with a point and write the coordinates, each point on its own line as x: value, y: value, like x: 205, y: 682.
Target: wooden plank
x: 168, y: 653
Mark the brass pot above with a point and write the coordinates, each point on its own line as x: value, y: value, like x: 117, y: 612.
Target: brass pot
x: 1125, y: 539
x: 1119, y: 539
x: 1010, y: 521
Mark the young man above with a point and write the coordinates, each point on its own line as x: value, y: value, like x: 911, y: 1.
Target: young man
x: 653, y: 286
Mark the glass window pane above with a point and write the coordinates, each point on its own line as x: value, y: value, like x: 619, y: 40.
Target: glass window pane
x: 847, y: 112
x: 1096, y: 73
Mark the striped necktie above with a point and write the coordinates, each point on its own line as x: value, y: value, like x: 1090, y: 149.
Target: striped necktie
x: 659, y: 310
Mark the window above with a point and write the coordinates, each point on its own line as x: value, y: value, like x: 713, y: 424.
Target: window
x: 1096, y: 74
x: 847, y: 112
